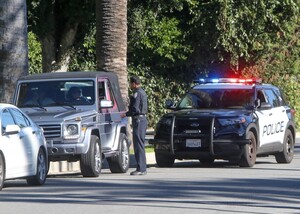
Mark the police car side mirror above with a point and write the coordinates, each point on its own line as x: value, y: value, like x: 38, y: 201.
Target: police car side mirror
x: 169, y: 104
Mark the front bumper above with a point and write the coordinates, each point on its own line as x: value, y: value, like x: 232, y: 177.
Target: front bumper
x: 228, y: 149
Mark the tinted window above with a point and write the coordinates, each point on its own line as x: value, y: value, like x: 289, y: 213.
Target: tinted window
x: 217, y: 98
x: 272, y: 98
x: 281, y: 97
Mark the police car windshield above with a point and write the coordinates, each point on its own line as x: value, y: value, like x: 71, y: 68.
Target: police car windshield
x: 217, y: 99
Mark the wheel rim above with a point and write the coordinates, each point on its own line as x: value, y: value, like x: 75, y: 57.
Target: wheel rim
x: 251, y: 149
x: 289, y: 146
x: 97, y: 158
x: 41, y: 166
x: 124, y: 154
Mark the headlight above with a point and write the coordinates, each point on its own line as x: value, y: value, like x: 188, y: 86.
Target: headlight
x: 71, y: 131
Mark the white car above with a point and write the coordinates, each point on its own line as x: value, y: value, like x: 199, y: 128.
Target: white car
x: 23, y: 150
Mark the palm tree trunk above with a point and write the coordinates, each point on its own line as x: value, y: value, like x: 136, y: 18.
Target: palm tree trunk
x: 14, y: 46
x: 111, y: 40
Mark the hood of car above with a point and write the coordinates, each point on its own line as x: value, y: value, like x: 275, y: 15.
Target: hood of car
x: 52, y: 116
x: 210, y: 113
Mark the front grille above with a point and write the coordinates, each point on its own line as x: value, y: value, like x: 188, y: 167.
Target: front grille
x: 195, y: 128
x: 52, y: 131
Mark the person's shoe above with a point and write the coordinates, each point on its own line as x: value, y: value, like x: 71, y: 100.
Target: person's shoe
x: 138, y: 173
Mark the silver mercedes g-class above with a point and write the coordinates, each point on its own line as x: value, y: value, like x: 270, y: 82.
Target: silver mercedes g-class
x: 80, y: 113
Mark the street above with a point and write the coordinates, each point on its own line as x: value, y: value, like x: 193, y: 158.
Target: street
x: 188, y: 187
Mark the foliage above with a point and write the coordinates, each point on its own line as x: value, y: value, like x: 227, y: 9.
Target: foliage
x: 154, y: 37
x: 84, y: 54
x: 34, y: 54
x: 171, y: 42
x: 158, y: 89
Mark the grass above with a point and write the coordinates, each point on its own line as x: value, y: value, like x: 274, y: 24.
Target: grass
x: 148, y: 149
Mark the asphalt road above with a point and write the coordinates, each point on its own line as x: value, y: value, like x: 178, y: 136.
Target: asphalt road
x: 188, y: 187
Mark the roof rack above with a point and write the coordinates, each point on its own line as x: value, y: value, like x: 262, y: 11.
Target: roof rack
x: 229, y: 80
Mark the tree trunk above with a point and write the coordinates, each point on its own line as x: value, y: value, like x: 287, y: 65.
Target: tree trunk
x: 111, y: 40
x: 14, y: 46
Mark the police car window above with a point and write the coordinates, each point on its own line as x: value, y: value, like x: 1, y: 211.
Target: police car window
x: 217, y: 98
x: 272, y: 98
x: 280, y: 96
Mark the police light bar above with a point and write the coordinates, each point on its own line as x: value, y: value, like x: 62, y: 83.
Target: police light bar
x: 229, y: 80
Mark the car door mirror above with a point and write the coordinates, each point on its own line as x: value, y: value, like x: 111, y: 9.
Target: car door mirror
x: 106, y: 104
x: 12, y: 129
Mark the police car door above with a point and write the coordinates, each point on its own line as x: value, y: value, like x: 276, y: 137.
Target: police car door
x: 272, y: 121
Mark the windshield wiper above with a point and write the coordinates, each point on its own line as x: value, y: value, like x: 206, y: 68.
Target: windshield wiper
x: 34, y: 106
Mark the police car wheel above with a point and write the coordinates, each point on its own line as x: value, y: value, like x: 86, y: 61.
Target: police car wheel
x: 286, y: 156
x: 164, y: 160
x: 249, y: 154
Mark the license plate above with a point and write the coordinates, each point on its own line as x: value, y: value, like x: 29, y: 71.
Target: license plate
x: 193, y: 143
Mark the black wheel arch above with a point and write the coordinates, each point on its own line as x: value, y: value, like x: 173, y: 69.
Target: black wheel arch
x: 291, y: 126
x: 255, y: 130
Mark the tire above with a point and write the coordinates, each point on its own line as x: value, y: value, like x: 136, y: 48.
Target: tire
x: 287, y: 155
x: 41, y: 170
x: 207, y: 160
x: 91, y: 162
x: 164, y: 160
x: 120, y: 163
x: 249, y: 154
x: 2, y: 171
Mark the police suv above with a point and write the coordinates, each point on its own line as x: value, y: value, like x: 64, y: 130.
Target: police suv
x: 228, y: 118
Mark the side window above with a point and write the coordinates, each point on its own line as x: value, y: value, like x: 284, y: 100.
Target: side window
x: 101, y: 90
x: 111, y: 97
x: 106, y: 93
x: 281, y: 97
x: 20, y: 118
x: 272, y: 98
x: 6, y: 119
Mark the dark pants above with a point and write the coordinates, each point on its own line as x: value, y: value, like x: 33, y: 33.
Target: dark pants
x: 139, y: 126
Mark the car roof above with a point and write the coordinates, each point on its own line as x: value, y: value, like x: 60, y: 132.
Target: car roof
x: 71, y: 74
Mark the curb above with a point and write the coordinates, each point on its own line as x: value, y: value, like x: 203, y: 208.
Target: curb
x: 74, y: 167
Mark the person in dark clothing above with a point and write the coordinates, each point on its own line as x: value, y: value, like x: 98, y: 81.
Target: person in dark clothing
x: 138, y: 107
